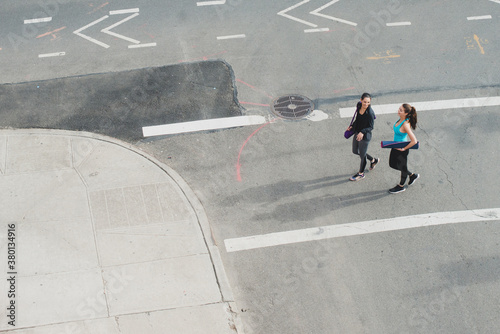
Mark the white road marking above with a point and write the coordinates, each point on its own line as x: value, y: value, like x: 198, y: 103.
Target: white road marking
x: 367, y: 227
x: 202, y: 125
x: 497, y: 1
x: 55, y: 54
x: 231, y: 36
x: 317, y: 116
x: 484, y: 17
x: 474, y: 102
x: 283, y: 13
x: 396, y: 24
x: 210, y: 3
x: 318, y: 10
x: 107, y: 30
x: 43, y: 19
x: 124, y: 11
x: 146, y: 45
x: 78, y: 32
x: 316, y: 30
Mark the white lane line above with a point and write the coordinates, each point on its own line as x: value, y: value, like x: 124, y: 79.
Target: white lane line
x: 397, y: 24
x: 497, y: 1
x: 484, y: 17
x: 283, y: 13
x: 210, y: 3
x: 203, y: 125
x: 55, y: 54
x: 124, y: 11
x: 39, y: 20
x: 231, y: 36
x: 316, y: 30
x: 78, y: 32
x: 474, y: 102
x: 107, y: 30
x: 318, y: 10
x: 367, y: 227
x: 146, y: 45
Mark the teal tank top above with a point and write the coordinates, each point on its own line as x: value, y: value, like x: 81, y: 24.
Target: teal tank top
x: 398, y: 135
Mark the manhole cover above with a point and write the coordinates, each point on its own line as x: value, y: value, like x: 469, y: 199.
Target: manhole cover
x: 292, y: 106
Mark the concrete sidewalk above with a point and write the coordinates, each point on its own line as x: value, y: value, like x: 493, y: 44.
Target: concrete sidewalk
x: 107, y: 240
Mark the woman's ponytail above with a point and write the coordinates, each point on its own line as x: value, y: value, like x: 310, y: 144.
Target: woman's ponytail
x: 412, y: 115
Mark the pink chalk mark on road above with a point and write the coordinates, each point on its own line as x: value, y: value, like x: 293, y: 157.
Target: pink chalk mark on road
x: 51, y: 33
x: 343, y: 90
x: 238, y: 164
x: 255, y: 88
x: 255, y: 104
x: 142, y: 29
x: 97, y: 8
x: 202, y: 58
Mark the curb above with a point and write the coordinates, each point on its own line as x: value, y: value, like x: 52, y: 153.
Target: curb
x: 213, y: 250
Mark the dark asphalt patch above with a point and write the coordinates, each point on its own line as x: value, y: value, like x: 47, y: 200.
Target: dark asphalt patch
x: 119, y: 104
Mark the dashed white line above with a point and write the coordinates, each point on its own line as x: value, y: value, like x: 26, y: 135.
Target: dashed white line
x: 484, y: 17
x: 232, y: 36
x: 146, y: 45
x: 316, y: 30
x: 203, y: 125
x: 39, y: 20
x: 396, y: 24
x: 55, y: 54
x: 431, y: 105
x: 361, y: 228
x: 496, y: 1
x: 124, y: 11
x: 210, y: 3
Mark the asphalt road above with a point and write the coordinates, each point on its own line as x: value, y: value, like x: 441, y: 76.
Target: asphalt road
x: 293, y: 175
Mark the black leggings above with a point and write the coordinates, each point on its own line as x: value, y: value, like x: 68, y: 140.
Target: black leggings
x: 399, y: 161
x: 360, y: 148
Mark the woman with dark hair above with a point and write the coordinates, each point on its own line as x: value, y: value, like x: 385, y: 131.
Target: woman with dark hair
x: 363, y: 126
x: 399, y: 156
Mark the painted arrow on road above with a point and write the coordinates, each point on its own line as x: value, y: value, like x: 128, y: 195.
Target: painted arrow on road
x: 316, y: 12
x: 107, y: 30
x: 135, y: 12
x: 284, y: 14
x: 78, y: 32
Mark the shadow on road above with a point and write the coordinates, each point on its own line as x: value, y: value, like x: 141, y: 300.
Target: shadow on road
x: 299, y: 207
x: 303, y: 210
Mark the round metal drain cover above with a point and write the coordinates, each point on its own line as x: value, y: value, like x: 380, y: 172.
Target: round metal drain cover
x: 292, y: 106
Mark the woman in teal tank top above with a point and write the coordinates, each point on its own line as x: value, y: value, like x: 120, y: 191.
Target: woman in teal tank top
x: 398, y: 135
x: 398, y: 158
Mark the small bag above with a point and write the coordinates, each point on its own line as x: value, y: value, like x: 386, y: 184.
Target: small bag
x: 348, y: 133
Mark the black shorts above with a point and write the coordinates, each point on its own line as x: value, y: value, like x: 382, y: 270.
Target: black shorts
x: 398, y: 159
